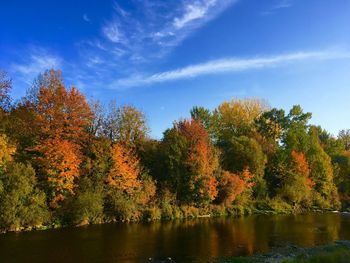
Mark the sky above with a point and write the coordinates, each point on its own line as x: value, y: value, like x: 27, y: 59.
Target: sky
x: 164, y: 57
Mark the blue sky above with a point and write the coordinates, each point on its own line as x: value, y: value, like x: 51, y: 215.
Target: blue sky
x: 166, y: 56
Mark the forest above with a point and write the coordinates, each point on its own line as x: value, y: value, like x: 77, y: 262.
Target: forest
x: 65, y: 160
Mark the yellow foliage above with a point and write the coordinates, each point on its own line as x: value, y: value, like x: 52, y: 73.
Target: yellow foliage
x: 6, y: 149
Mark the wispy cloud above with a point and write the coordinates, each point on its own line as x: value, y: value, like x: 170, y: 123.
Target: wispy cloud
x: 280, y: 4
x: 229, y: 65
x: 113, y: 32
x: 155, y: 27
x: 38, y: 61
x: 86, y: 18
x: 194, y: 11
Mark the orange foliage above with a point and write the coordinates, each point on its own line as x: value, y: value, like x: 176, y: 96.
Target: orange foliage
x: 247, y: 177
x: 126, y: 169
x: 62, y: 167
x: 302, y: 167
x: 210, y: 187
x: 201, y: 159
x: 301, y: 164
x: 231, y: 185
x: 62, y: 112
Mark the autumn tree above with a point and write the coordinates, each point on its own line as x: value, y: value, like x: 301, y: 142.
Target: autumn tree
x: 126, y: 169
x: 237, y: 117
x: 5, y: 88
x: 191, y: 162
x: 61, y: 111
x: 232, y: 185
x: 244, y: 152
x: 126, y: 125
x: 297, y: 186
x: 60, y: 162
x: 7, y: 150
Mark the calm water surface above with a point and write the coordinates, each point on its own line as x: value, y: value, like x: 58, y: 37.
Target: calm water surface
x: 184, y: 240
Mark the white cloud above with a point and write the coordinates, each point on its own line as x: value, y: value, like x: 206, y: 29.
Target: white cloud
x: 155, y: 27
x: 193, y: 11
x: 38, y: 61
x: 280, y: 4
x: 113, y: 32
x: 230, y: 65
x: 86, y: 18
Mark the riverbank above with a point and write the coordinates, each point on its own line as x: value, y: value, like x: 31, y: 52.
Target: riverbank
x: 338, y: 252
x: 155, y: 214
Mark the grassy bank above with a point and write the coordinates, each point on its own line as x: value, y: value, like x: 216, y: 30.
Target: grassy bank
x: 338, y: 252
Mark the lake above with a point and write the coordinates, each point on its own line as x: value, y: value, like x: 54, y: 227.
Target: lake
x: 197, y: 240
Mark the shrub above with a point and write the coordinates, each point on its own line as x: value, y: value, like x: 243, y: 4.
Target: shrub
x: 120, y: 206
x: 21, y: 203
x: 152, y: 213
x: 88, y: 205
x: 189, y: 211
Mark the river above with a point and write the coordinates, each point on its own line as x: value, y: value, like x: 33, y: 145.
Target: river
x: 196, y: 240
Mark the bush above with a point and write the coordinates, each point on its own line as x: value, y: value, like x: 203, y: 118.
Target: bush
x: 152, y: 213
x: 88, y: 205
x: 21, y: 203
x: 218, y: 210
x: 167, y: 211
x: 189, y: 211
x: 280, y: 206
x: 120, y: 206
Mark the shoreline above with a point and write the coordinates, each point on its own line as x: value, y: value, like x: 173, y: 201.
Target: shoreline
x: 148, y: 220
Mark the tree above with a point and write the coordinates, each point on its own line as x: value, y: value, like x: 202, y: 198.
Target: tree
x: 244, y: 152
x: 295, y: 137
x: 61, y: 111
x: 237, y: 117
x: 22, y: 204
x: 344, y: 137
x: 126, y: 169
x: 126, y: 125
x: 207, y: 119
x: 7, y: 150
x: 297, y: 185
x: 321, y: 172
x: 232, y: 185
x: 60, y: 163
x: 271, y: 124
x: 191, y: 162
x: 5, y: 88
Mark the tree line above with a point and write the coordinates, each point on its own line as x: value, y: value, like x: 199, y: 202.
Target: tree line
x: 65, y: 160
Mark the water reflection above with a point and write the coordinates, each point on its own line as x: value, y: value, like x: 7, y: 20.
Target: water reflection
x: 183, y: 240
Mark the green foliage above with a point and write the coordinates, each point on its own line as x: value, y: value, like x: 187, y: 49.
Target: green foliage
x: 244, y: 152
x: 237, y: 158
x: 321, y: 171
x: 120, y: 206
x: 21, y: 203
x: 152, y: 213
x: 88, y: 203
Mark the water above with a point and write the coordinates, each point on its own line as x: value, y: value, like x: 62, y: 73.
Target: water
x: 183, y: 240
